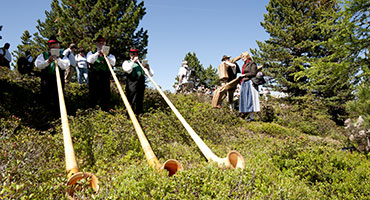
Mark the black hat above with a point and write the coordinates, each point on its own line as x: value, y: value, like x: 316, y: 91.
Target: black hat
x: 100, y: 38
x: 52, y: 40
x: 225, y: 57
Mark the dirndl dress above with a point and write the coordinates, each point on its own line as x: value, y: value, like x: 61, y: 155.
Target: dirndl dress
x: 249, y: 98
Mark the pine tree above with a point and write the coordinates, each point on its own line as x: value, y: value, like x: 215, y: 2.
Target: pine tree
x: 294, y: 33
x: 211, y: 77
x: 335, y: 75
x: 358, y: 12
x: 46, y: 28
x: 83, y: 21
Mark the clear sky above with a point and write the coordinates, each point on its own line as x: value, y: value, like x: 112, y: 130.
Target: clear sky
x: 210, y: 28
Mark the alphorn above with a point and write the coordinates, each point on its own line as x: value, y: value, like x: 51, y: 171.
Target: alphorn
x: 73, y: 173
x: 233, y: 159
x: 171, y: 165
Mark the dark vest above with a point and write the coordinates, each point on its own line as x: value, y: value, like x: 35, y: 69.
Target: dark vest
x: 50, y: 69
x: 100, y: 64
x: 136, y: 73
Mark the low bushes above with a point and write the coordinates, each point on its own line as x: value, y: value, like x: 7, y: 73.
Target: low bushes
x: 283, y: 161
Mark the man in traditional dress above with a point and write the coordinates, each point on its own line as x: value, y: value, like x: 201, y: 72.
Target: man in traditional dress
x: 228, y: 70
x: 135, y: 85
x: 99, y: 74
x: 46, y: 63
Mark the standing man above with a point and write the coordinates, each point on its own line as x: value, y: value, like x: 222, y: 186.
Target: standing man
x: 69, y: 54
x: 228, y: 71
x: 5, y: 56
x: 135, y: 86
x: 46, y: 63
x: 186, y: 76
x: 99, y: 74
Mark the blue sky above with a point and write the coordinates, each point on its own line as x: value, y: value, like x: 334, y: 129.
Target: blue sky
x: 210, y: 28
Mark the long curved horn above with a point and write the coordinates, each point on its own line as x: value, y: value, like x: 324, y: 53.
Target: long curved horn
x: 73, y: 173
x: 172, y: 166
x: 233, y: 159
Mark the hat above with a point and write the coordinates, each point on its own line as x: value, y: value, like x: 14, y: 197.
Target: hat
x: 100, y: 39
x: 134, y: 50
x: 184, y: 62
x: 225, y: 57
x: 52, y: 40
x: 259, y: 67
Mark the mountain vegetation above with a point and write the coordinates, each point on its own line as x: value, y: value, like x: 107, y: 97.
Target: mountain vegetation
x: 293, y: 151
x: 311, y: 144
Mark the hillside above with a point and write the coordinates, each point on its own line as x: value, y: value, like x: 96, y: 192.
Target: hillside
x: 293, y: 150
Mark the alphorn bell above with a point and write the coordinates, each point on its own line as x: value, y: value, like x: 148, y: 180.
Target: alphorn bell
x: 171, y: 165
x: 73, y: 173
x: 233, y: 159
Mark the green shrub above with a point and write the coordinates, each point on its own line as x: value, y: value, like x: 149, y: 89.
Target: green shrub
x: 283, y: 160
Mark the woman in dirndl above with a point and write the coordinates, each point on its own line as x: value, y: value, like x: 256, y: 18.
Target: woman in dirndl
x: 249, y: 98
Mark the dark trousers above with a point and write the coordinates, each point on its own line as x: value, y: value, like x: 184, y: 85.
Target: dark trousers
x: 135, y: 94
x: 4, y: 63
x: 99, y: 88
x: 49, y: 91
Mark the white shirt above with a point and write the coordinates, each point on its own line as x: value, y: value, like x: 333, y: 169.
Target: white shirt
x: 7, y: 55
x: 81, y: 61
x: 128, y: 65
x: 68, y: 52
x: 41, y: 63
x: 182, y: 72
x: 232, y: 65
x: 29, y: 58
x: 92, y: 57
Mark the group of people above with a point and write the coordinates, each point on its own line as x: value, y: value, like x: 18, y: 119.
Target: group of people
x: 96, y: 66
x: 93, y: 69
x: 248, y: 90
x: 247, y: 94
x: 78, y: 64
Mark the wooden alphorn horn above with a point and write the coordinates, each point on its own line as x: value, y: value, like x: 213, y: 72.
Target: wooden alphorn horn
x: 171, y: 165
x: 233, y: 159
x: 73, y: 173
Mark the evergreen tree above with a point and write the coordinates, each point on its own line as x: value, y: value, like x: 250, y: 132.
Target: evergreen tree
x: 83, y: 21
x: 358, y: 12
x: 294, y: 33
x: 46, y: 28
x: 211, y: 77
x: 335, y: 75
